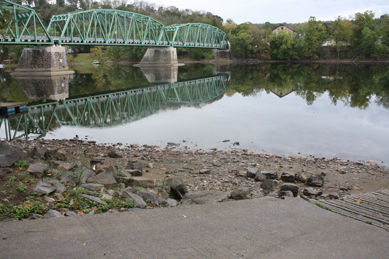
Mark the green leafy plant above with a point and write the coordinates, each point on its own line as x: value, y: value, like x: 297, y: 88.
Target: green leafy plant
x: 20, y: 211
x: 3, y: 208
x: 11, y: 178
x: 21, y: 187
x: 22, y: 164
x: 24, y: 210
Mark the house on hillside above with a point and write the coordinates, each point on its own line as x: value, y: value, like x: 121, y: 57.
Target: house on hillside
x: 284, y: 27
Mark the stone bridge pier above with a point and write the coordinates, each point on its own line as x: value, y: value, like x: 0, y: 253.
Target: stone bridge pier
x: 43, y: 61
x: 160, y: 57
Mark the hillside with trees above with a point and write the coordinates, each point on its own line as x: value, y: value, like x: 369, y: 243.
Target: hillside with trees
x: 363, y: 36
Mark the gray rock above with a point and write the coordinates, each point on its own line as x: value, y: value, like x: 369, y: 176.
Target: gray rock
x: 124, y: 174
x: 54, y: 214
x: 106, y: 165
x: 177, y: 187
x: 294, y: 188
x: 135, y: 164
x: 43, y: 188
x: 49, y: 199
x: 59, y: 187
x: 241, y: 173
x: 286, y: 194
x: 141, y: 182
x: 92, y: 188
x: 270, y: 174
x: 333, y: 195
x: 311, y: 192
x: 67, y: 166
x: 302, y: 176
x: 270, y: 185
x: 315, y: 180
x: 38, y: 169
x: 259, y: 177
x: 113, y: 193
x: 135, y: 172
x: 136, y: 199
x: 8, y: 156
x: 239, y: 193
x: 288, y: 177
x: 96, y: 160
x: 77, y: 177
x: 106, y: 196
x: 252, y: 172
x: 115, y: 154
x: 93, y: 198
x: 57, y: 154
x: 202, y: 197
x: 105, y: 178
x: 149, y: 196
x: 205, y: 171
x: 171, y: 202
x: 70, y: 213
x: 36, y: 153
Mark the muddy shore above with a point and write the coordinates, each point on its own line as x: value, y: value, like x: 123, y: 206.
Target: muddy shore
x: 221, y: 169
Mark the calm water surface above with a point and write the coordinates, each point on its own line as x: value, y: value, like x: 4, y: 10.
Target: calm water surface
x: 321, y: 110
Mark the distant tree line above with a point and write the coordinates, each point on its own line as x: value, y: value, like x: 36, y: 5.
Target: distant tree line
x: 361, y: 36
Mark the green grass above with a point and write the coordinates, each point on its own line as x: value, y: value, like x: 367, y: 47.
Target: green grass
x: 368, y: 222
x: 80, y: 58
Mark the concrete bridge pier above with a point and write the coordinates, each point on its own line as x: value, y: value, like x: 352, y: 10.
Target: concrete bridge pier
x: 222, y: 55
x: 160, y: 57
x: 43, y: 61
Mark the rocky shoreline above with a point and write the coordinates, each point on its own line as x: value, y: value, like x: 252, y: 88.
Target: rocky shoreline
x: 78, y: 177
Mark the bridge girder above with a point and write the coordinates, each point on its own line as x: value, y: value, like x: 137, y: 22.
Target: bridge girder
x: 107, y: 28
x: 25, y: 28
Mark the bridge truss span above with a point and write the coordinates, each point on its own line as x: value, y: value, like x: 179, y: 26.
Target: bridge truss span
x: 107, y: 27
x: 197, y: 35
x: 25, y: 28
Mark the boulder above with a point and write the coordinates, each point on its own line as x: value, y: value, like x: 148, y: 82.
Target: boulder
x: 270, y: 174
x: 333, y: 195
x: 239, y: 193
x: 59, y: 187
x: 302, y: 177
x: 134, y: 164
x: 311, y: 192
x: 106, y: 165
x: 8, y: 156
x: 92, y: 188
x: 294, y: 188
x: 57, y: 154
x: 141, y: 182
x: 43, y: 188
x: 177, y: 187
x: 93, y: 198
x: 115, y: 154
x: 202, y: 197
x: 96, y: 160
x: 36, y: 153
x: 270, y: 185
x: 77, y: 177
x: 252, y: 172
x: 286, y: 194
x: 136, y: 199
x: 134, y: 172
x: 205, y: 171
x: 38, y: 169
x: 105, y: 178
x: 288, y: 177
x: 171, y: 202
x: 154, y: 198
x: 315, y: 180
x: 67, y: 166
x: 54, y: 214
x: 260, y: 177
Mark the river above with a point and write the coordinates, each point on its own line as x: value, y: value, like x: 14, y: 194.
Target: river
x: 321, y: 110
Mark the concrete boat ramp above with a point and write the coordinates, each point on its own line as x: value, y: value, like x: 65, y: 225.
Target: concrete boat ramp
x: 257, y: 228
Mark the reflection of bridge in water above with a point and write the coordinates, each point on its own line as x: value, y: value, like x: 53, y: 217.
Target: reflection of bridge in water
x: 111, y: 109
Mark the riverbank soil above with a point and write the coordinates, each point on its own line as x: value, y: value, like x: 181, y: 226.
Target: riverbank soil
x: 258, y: 174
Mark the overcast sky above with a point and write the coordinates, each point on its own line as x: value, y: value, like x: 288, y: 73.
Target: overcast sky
x: 261, y: 11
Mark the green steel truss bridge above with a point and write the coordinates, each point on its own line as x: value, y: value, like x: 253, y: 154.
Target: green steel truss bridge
x: 111, y: 109
x: 108, y: 28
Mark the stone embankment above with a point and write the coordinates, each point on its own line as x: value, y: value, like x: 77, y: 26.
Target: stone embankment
x: 78, y: 177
